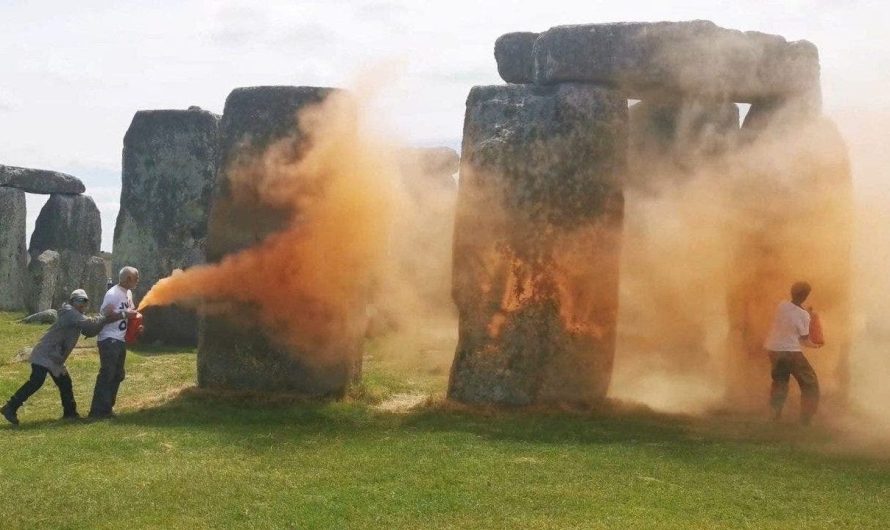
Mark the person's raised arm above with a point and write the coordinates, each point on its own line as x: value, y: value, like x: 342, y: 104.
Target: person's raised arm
x: 91, y: 326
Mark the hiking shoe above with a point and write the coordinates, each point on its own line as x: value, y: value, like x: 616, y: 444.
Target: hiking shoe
x: 10, y: 414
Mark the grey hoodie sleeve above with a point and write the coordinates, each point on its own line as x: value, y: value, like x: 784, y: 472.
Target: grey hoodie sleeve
x: 91, y: 326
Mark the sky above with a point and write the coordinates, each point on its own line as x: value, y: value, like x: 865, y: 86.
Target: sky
x: 73, y: 74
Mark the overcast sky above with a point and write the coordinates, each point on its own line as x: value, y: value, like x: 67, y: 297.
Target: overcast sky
x: 73, y: 73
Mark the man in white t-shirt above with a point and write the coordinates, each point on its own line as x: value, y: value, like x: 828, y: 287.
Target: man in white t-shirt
x: 790, y: 332
x: 117, y: 306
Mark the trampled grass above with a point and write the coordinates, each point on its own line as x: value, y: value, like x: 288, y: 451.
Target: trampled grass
x: 181, y: 458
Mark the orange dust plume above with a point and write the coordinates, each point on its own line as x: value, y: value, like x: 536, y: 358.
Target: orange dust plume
x: 713, y: 242
x: 307, y: 284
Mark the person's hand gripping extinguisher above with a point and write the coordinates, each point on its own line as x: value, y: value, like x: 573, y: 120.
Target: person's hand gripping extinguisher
x: 134, y: 327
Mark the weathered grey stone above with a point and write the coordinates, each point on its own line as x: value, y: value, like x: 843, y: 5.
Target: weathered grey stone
x: 514, y: 53
x: 13, y: 256
x: 70, y: 225
x: 44, y: 273
x: 171, y: 324
x: 47, y: 316
x: 67, y: 222
x: 93, y: 281
x: 169, y: 171
x: 246, y: 358
x: 671, y: 139
x: 781, y: 115
x: 39, y: 180
x: 537, y: 243
x: 108, y: 257
x: 695, y: 57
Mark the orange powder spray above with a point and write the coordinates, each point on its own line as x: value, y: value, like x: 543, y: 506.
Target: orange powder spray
x: 308, y: 284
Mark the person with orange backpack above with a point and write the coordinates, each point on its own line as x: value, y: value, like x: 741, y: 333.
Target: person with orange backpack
x: 792, y: 330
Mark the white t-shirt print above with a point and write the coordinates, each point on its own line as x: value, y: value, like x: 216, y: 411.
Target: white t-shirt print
x: 792, y: 322
x: 120, y: 299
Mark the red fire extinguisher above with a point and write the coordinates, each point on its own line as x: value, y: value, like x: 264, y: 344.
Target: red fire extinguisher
x: 816, y: 335
x: 134, y: 327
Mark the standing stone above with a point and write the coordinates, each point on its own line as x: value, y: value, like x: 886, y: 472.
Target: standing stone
x: 39, y: 180
x: 169, y: 170
x: 44, y: 273
x: 94, y: 280
x: 231, y: 353
x: 13, y: 256
x: 537, y: 244
x: 72, y: 226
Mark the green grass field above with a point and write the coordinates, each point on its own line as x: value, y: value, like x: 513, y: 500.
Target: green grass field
x: 180, y: 458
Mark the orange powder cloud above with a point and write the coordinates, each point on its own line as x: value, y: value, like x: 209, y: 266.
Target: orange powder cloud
x: 308, y: 284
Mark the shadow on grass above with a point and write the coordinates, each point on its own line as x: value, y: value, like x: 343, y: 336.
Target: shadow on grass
x: 155, y: 350
x: 233, y: 415
x: 239, y: 419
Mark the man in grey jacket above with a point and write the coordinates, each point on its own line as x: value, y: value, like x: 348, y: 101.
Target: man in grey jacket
x: 50, y: 354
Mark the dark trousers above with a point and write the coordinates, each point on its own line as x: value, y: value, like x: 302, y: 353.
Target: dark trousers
x: 112, y: 354
x: 793, y: 363
x: 38, y: 377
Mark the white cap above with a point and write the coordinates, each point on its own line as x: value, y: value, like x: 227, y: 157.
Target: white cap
x: 79, y: 293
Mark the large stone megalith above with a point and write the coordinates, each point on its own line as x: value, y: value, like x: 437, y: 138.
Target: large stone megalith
x: 169, y: 171
x: 40, y: 180
x: 70, y: 225
x: 231, y: 353
x: 537, y: 244
x: 13, y: 255
x: 44, y: 273
x: 94, y: 281
x: 694, y: 57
